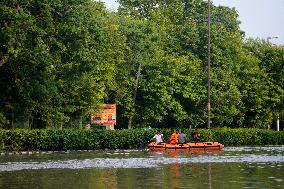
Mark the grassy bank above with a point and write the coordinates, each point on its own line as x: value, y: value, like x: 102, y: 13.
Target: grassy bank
x: 77, y: 139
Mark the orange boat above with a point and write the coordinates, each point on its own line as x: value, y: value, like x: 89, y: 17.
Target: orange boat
x: 186, y: 147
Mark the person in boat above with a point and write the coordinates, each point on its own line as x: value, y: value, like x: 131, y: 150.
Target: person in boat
x: 195, y: 136
x: 174, y: 137
x: 182, y: 138
x: 158, y: 138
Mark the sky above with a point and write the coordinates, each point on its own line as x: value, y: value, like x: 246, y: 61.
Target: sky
x: 259, y: 18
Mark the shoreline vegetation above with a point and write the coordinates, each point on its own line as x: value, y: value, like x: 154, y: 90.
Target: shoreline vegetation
x: 19, y: 140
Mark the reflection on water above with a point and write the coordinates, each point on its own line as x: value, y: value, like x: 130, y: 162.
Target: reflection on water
x: 235, y: 167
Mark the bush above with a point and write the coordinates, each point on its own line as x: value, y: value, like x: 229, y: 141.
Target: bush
x: 238, y: 137
x: 79, y: 139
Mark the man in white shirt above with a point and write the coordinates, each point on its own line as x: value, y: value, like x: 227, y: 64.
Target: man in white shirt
x: 158, y: 137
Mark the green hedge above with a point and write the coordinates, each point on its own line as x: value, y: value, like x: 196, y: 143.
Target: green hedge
x: 73, y: 139
x: 242, y: 137
x: 79, y: 139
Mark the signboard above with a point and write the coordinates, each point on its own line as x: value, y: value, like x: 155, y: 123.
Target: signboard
x: 107, y: 116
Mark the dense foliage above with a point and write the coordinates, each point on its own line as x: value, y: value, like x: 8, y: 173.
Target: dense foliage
x: 72, y: 139
x: 60, y: 59
x: 79, y: 139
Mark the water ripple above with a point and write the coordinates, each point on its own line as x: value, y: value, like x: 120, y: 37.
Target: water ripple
x: 147, y: 162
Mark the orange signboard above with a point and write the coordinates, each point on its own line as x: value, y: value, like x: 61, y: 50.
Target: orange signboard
x: 107, y: 115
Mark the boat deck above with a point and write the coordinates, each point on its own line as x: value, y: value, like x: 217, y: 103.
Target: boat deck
x: 188, y: 146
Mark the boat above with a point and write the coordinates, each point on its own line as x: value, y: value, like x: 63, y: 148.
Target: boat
x: 192, y: 146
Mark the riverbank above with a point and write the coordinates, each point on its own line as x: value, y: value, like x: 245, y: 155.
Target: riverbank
x: 79, y: 139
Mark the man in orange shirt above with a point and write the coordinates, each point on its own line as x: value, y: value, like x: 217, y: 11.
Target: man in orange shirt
x: 174, y: 138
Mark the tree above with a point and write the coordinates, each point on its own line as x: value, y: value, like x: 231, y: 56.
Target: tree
x: 270, y: 83
x: 184, y: 39
x: 57, y: 63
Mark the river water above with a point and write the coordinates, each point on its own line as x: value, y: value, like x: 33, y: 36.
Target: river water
x: 235, y: 167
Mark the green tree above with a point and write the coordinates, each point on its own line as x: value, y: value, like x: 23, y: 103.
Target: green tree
x: 184, y: 37
x: 57, y: 63
x: 270, y: 83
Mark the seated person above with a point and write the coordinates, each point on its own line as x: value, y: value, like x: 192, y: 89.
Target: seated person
x: 174, y: 137
x: 195, y: 137
x: 158, y: 138
x: 182, y: 138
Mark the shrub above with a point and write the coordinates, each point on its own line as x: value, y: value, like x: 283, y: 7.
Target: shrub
x: 79, y: 139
